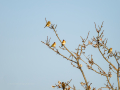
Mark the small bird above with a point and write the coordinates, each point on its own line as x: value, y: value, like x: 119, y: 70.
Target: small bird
x: 110, y: 50
x: 63, y: 43
x: 54, y: 44
x: 80, y: 65
x: 48, y: 24
x: 63, y: 85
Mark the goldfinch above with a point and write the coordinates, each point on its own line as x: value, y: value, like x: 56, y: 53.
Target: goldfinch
x: 110, y: 50
x: 48, y: 24
x: 54, y: 44
x: 63, y: 43
x: 80, y: 65
x: 63, y: 85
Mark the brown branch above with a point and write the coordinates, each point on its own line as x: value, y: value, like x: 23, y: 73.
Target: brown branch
x: 107, y: 60
x: 109, y: 82
x: 96, y: 65
x: 118, y: 77
x: 93, y: 69
x: 115, y: 58
x: 87, y: 36
x: 59, y: 53
x: 73, y: 56
x: 114, y: 72
x: 61, y: 42
x: 84, y: 76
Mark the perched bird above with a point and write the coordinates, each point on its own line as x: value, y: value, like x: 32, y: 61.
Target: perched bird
x: 110, y: 50
x: 47, y: 24
x: 54, y: 44
x: 80, y: 65
x: 63, y: 43
x: 63, y: 85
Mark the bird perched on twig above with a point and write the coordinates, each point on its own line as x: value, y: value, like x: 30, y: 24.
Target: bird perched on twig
x: 54, y: 44
x: 63, y: 43
x: 63, y: 85
x: 48, y: 24
x: 110, y: 50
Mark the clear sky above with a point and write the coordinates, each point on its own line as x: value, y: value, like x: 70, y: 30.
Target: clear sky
x: 28, y: 64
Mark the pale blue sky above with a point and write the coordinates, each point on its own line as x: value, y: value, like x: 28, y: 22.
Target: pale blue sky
x: 28, y: 64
